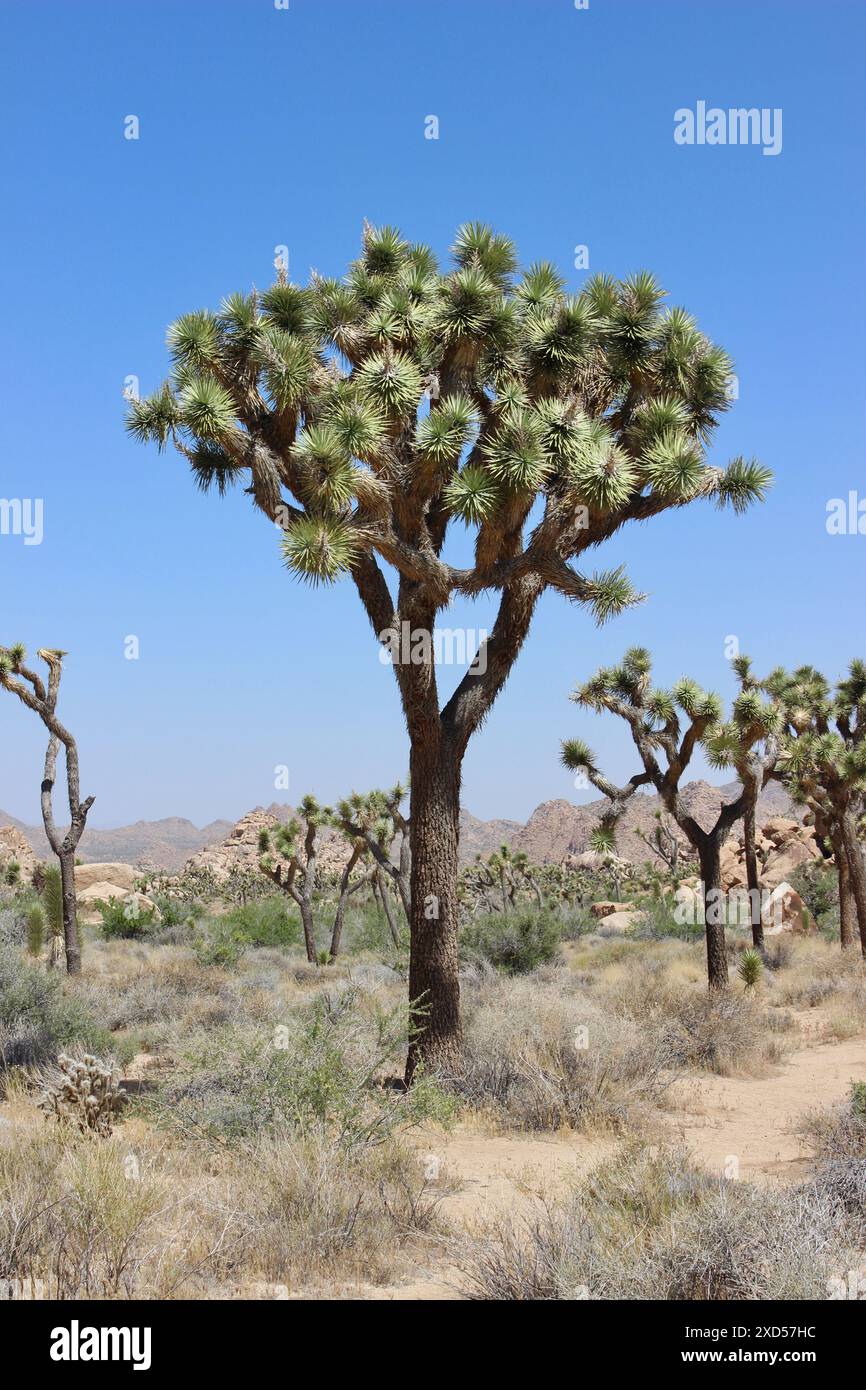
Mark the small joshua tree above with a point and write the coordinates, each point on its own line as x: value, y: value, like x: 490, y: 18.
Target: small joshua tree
x: 288, y: 858
x: 376, y: 819
x: 370, y: 415
x: 17, y: 677
x: 749, y: 743
x: 823, y: 765
x: 666, y: 728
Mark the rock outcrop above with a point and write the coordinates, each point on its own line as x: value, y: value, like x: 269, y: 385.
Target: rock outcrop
x: 782, y: 845
x: 16, y: 849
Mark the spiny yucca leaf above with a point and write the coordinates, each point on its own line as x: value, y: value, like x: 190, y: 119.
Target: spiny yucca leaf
x: 442, y: 435
x: 577, y: 756
x: 288, y: 365
x: 153, y: 418
x: 477, y: 244
x: 472, y: 495
x: 319, y: 549
x: 673, y: 465
x: 193, y: 340
x: 213, y: 468
x: 610, y: 593
x: 541, y: 285
x: 207, y: 409
x: 287, y: 307
x: 743, y: 482
x: 392, y: 381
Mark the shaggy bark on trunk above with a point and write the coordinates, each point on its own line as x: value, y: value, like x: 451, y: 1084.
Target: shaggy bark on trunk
x: 856, y: 870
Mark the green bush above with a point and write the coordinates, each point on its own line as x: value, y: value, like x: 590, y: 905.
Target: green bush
x: 126, y: 920
x: 513, y: 942
x: 219, y: 944
x: 319, y: 1073
x: 37, y: 1020
x: 265, y: 922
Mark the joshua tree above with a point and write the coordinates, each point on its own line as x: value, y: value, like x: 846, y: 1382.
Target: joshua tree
x: 663, y: 842
x: 376, y: 819
x: 28, y: 685
x: 823, y: 764
x: 290, y: 862
x: 749, y: 743
x: 369, y: 414
x: 656, y: 726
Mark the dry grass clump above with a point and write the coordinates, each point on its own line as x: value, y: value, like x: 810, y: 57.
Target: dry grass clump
x: 542, y: 1054
x: 130, y: 1217
x: 652, y: 1226
x: 819, y: 975
x: 838, y: 1138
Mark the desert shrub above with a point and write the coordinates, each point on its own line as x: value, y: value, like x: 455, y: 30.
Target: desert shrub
x: 543, y: 1056
x: 722, y: 1033
x: 838, y: 1138
x: 219, y: 944
x: 366, y: 929
x: 513, y: 942
x: 265, y: 922
x: 320, y: 1211
x: 69, y: 1216
x: 97, y: 1221
x: 319, y: 1072
x: 37, y: 1019
x: 126, y: 920
x: 818, y: 885
x: 652, y: 1226
x: 657, y: 921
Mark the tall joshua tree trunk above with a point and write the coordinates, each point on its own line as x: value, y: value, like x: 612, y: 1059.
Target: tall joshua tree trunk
x: 433, y: 971
x: 709, y: 854
x: 847, y: 905
x: 856, y: 870
x: 752, y: 880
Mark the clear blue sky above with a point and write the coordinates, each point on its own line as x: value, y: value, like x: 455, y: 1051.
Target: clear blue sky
x: 261, y: 127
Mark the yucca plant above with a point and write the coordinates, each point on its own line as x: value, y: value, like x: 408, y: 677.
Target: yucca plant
x: 667, y: 726
x: 35, y: 924
x: 52, y: 903
x: 370, y: 415
x: 750, y: 968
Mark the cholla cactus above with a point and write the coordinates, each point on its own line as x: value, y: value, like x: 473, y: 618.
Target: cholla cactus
x: 84, y: 1093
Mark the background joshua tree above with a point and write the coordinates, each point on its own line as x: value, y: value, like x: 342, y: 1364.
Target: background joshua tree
x: 376, y: 818
x: 749, y: 743
x: 369, y: 414
x: 288, y: 858
x: 26, y: 683
x: 823, y: 764
x: 663, y: 843
x: 657, y: 729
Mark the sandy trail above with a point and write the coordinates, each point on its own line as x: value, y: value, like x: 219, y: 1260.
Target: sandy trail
x: 754, y: 1120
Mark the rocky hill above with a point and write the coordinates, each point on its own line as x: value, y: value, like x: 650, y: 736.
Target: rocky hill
x: 160, y: 844
x: 558, y: 828
x: 555, y: 829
